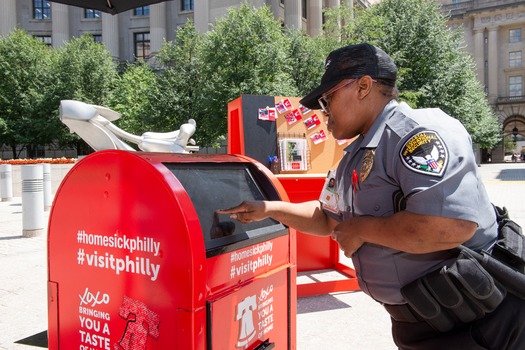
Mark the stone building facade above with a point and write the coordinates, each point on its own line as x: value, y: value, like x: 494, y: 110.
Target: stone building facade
x: 494, y: 32
x: 141, y: 32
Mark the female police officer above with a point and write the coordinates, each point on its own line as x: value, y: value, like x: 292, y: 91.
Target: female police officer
x: 408, y: 192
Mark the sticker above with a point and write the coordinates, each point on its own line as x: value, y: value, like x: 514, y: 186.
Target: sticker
x: 425, y: 153
x: 319, y: 137
x: 267, y: 113
x: 288, y: 104
x: 293, y: 116
x: 281, y: 108
x: 284, y: 106
x: 312, y: 122
x: 367, y: 163
x: 304, y: 110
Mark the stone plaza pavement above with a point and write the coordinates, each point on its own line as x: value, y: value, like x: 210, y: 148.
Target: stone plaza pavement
x: 345, y: 320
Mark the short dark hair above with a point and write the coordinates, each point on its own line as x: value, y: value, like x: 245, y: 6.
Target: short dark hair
x: 387, y: 89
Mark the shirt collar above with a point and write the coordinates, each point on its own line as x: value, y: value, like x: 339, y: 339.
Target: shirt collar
x: 374, y: 134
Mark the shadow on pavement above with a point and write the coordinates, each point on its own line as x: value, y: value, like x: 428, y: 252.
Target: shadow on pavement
x: 511, y: 175
x: 39, y: 340
x: 11, y: 237
x: 319, y: 303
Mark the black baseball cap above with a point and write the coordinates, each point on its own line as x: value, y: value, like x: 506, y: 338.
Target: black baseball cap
x: 353, y: 61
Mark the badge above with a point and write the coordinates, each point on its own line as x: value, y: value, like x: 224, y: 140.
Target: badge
x: 425, y: 153
x: 329, y: 197
x: 367, y: 163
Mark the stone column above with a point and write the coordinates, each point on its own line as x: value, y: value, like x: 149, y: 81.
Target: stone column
x: 60, y: 24
x: 333, y: 3
x: 493, y: 65
x: 293, y: 14
x: 315, y: 17
x: 348, y: 4
x: 201, y: 10
x: 110, y: 34
x: 157, y: 26
x: 7, y: 17
x: 479, y: 54
x: 275, y: 6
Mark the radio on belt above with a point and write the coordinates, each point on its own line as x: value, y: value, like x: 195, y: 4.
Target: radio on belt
x: 139, y: 259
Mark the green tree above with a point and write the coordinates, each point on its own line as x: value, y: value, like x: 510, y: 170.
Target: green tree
x: 181, y: 84
x: 306, y: 57
x: 245, y: 53
x: 337, y: 26
x: 27, y: 116
x: 134, y: 96
x: 84, y: 71
x: 434, y: 70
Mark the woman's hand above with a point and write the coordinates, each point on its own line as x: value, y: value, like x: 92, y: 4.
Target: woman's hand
x: 247, y: 211
x: 345, y: 235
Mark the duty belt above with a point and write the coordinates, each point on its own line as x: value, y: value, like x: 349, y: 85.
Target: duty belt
x: 473, y: 286
x: 403, y: 313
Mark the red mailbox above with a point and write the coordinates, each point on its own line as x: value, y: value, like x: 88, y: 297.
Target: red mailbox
x: 138, y: 258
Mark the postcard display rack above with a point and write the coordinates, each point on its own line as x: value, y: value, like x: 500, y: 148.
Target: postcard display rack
x: 295, y: 144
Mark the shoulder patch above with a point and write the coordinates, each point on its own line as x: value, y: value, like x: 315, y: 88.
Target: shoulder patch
x: 425, y: 153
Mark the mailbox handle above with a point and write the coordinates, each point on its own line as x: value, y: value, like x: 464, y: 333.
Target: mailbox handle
x: 266, y: 345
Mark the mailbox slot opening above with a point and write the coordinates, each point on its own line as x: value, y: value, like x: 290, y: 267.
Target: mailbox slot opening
x: 224, y: 185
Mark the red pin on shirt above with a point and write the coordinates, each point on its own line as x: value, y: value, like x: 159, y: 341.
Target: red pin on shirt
x: 355, y: 180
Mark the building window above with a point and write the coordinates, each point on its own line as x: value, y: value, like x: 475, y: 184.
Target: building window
x: 304, y: 9
x: 97, y: 38
x: 186, y: 5
x: 41, y: 9
x: 142, y: 45
x: 515, y: 86
x: 515, y: 35
x: 141, y: 11
x: 456, y: 1
x: 46, y: 39
x: 515, y: 59
x: 92, y: 14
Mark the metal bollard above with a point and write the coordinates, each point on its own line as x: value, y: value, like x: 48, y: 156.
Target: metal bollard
x: 48, y: 198
x: 6, y: 182
x: 32, y: 200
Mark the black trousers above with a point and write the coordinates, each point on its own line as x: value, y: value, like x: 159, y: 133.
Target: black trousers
x: 503, y: 329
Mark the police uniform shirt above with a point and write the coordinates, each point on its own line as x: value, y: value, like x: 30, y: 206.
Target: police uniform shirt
x: 417, y: 160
